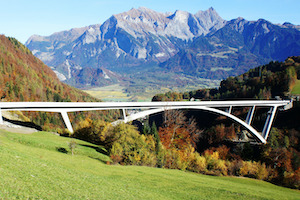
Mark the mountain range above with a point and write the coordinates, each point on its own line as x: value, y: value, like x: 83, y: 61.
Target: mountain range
x: 130, y: 47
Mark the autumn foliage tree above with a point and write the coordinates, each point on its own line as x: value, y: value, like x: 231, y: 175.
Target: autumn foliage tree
x: 177, y: 132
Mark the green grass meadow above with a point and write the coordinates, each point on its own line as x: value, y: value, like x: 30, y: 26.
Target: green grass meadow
x: 109, y: 93
x: 143, y: 93
x: 296, y: 89
x: 41, y: 166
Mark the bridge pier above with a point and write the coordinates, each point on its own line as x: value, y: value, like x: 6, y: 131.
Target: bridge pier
x: 250, y: 115
x: 269, y: 121
x: 230, y: 109
x: 124, y: 115
x: 67, y: 121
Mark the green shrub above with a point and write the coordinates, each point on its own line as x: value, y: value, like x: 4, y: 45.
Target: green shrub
x: 262, y: 171
x: 211, y: 159
x: 116, y: 153
x: 221, y: 167
x: 292, y: 179
x: 97, y: 132
x: 234, y: 167
x: 249, y: 169
x: 172, y: 159
x: 160, y: 155
x: 198, y: 164
x: 72, y: 146
x: 131, y: 148
x: 215, y: 165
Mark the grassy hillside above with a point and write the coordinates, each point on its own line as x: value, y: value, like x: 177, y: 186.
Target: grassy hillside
x: 41, y: 166
x: 296, y: 88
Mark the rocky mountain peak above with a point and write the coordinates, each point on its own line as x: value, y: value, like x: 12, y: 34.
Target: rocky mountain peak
x: 90, y: 35
x: 144, y: 38
x: 137, y: 15
x: 138, y: 21
x: 210, y: 20
x: 181, y: 24
x: 211, y: 12
x: 238, y: 24
x: 290, y: 25
x: 180, y: 16
x: 36, y: 38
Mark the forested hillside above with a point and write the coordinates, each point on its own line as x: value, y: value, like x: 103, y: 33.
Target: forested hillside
x: 23, y: 77
x: 264, y: 82
x: 219, y: 137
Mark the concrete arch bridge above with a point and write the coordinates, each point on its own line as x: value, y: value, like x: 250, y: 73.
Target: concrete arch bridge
x: 143, y: 109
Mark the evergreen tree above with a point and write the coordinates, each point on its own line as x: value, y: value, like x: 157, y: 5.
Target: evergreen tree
x: 154, y: 132
x: 146, y: 128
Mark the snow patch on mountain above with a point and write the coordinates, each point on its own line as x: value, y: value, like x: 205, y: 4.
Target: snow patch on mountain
x: 60, y: 76
x: 69, y: 69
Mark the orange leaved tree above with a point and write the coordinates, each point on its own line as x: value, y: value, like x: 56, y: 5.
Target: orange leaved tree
x: 177, y: 131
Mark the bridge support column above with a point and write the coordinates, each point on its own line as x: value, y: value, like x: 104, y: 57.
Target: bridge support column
x: 269, y: 121
x: 1, y: 119
x: 67, y: 121
x: 124, y: 115
x: 230, y: 109
x: 250, y: 115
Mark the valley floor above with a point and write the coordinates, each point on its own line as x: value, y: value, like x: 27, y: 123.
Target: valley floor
x: 119, y: 93
x: 40, y: 166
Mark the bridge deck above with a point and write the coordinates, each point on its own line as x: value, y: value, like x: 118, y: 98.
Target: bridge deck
x: 154, y: 107
x: 85, y: 106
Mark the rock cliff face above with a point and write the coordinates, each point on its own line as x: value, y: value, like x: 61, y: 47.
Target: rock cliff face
x: 202, y: 45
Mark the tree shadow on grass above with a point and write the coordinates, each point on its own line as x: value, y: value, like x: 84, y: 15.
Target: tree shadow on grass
x: 25, y: 124
x: 100, y: 160
x: 98, y: 149
x: 62, y: 150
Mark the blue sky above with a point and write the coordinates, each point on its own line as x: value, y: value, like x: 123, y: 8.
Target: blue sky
x: 23, y: 18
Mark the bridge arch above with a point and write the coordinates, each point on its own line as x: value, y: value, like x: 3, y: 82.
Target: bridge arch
x: 145, y: 113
